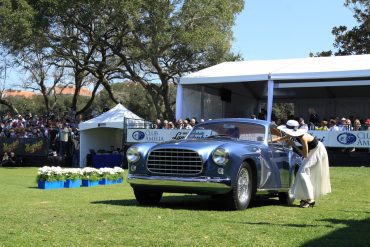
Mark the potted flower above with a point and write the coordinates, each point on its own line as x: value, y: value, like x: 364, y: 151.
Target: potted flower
x: 50, y: 178
x: 73, y: 177
x: 107, y: 176
x: 120, y: 173
x: 90, y: 177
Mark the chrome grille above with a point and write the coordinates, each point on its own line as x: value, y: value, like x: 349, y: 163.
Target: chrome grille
x: 175, y: 162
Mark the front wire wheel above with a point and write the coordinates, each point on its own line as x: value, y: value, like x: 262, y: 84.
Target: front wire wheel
x: 241, y: 194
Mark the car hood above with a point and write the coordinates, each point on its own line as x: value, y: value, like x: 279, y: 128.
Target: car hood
x: 206, y: 146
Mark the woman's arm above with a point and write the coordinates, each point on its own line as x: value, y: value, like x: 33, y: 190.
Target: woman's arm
x: 281, y: 138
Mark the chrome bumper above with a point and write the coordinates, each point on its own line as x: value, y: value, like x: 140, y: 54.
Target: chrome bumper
x: 180, y: 182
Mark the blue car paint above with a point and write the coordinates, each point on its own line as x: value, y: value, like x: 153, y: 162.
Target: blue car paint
x: 274, y: 166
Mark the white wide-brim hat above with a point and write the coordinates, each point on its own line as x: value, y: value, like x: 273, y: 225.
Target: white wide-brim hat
x: 292, y: 128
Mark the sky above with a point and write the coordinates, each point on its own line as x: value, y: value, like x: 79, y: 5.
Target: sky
x: 279, y: 29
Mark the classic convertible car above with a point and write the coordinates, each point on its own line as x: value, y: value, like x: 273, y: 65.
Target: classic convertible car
x: 233, y: 159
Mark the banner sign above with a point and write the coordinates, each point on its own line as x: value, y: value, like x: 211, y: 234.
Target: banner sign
x: 155, y: 135
x: 357, y: 139
x: 24, y: 146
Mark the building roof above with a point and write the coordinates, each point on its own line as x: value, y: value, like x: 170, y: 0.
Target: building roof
x: 19, y: 93
x: 70, y: 90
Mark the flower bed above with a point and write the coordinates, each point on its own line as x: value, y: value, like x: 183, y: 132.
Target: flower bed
x: 56, y: 177
x: 50, y: 178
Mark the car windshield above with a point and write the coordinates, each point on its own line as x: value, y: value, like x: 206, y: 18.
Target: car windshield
x: 237, y: 130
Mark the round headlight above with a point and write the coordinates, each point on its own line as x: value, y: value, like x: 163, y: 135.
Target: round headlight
x: 132, y: 154
x: 220, y: 156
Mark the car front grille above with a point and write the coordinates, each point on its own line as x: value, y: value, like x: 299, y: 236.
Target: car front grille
x: 175, y: 162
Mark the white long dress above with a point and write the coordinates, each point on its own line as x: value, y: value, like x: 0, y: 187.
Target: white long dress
x: 313, y: 180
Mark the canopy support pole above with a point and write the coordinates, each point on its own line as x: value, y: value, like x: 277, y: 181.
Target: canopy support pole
x: 179, y: 96
x: 270, y: 95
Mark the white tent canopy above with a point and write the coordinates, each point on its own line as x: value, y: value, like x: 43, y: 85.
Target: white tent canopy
x: 289, y: 79
x: 104, y: 131
x: 110, y: 119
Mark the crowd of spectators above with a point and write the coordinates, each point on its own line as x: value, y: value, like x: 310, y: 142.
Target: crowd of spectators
x: 187, y: 123
x: 59, y: 129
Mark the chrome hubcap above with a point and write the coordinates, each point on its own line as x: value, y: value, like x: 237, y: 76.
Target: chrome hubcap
x: 243, y: 186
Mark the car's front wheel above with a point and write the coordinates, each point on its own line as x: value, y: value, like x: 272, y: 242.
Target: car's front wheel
x: 147, y: 197
x: 242, y: 190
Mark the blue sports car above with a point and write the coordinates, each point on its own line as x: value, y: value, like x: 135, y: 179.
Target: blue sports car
x: 233, y: 159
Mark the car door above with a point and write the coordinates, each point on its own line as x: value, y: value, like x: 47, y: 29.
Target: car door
x: 280, y: 156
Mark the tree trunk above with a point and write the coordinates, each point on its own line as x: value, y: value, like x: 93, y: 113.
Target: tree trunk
x: 9, y: 105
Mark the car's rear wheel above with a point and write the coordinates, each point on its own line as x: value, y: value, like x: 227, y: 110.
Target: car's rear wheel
x: 241, y: 194
x: 147, y: 197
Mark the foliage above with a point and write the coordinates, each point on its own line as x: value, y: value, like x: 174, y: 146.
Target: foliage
x: 91, y: 174
x: 72, y: 173
x: 110, y: 216
x: 353, y: 41
x: 108, y: 173
x: 50, y: 174
x: 149, y: 42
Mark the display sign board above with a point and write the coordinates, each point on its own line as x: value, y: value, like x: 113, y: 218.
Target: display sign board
x: 24, y: 146
x: 155, y: 135
x: 357, y: 139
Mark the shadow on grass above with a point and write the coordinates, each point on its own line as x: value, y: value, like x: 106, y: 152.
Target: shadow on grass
x: 355, y: 233
x: 190, y: 202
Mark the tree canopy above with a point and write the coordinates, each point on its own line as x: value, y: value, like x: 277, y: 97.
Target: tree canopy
x: 353, y: 41
x: 149, y: 42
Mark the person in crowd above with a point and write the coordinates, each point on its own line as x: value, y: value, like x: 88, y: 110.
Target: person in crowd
x: 165, y: 124
x: 76, y: 151
x: 9, y: 159
x: 63, y: 139
x: 187, y: 125
x: 333, y: 125
x: 171, y: 125
x: 357, y: 125
x: 314, y: 117
x: 367, y: 123
x: 302, y: 124
x: 193, y: 122
x: 349, y: 126
x: 312, y: 179
x: 342, y: 124
x: 158, y: 122
x: 180, y: 124
x: 323, y: 125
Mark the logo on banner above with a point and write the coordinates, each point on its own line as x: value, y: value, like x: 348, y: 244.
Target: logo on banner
x: 346, y: 138
x: 138, y: 135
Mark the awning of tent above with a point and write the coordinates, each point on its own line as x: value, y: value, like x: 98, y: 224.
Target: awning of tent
x: 111, y: 119
x: 286, y: 79
x: 312, y: 68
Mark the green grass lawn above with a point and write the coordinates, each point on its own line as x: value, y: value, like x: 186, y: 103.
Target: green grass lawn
x: 110, y: 216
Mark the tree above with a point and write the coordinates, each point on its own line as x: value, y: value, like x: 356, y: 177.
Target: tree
x: 149, y: 42
x: 163, y: 40
x: 5, y: 65
x: 38, y: 65
x: 356, y: 40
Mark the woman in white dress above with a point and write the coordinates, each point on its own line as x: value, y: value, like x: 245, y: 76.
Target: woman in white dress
x: 312, y: 179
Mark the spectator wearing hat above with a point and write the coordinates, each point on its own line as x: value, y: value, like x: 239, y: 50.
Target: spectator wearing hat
x: 366, y: 125
x: 312, y: 179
